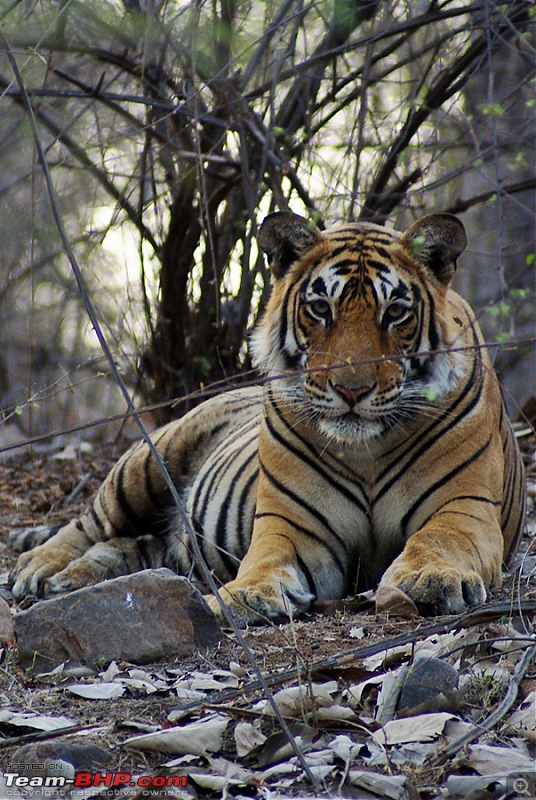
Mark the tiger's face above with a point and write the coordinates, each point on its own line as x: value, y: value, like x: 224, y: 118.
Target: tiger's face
x: 357, y: 330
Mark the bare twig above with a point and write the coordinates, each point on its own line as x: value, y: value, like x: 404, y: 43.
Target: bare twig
x: 43, y: 736
x: 249, y: 378
x: 506, y: 189
x: 82, y: 157
x: 348, y: 658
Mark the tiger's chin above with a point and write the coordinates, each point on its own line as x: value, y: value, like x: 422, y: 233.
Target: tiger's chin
x: 351, y: 431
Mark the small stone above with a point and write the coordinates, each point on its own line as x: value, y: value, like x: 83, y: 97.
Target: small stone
x: 149, y: 616
x: 428, y: 680
x: 60, y: 758
x: 395, y: 602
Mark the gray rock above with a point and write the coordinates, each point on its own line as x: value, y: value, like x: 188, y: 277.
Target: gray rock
x: 141, y: 618
x: 429, y: 684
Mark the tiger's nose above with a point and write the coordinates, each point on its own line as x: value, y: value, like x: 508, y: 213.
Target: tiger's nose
x: 351, y: 394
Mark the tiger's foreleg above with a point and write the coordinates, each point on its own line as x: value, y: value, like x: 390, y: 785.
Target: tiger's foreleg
x: 103, y: 543
x: 36, y: 566
x: 451, y: 562
x: 284, y: 565
x: 270, y: 583
x: 102, y: 561
x: 70, y: 560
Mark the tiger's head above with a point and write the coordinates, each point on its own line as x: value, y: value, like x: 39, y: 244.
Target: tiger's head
x: 358, y: 326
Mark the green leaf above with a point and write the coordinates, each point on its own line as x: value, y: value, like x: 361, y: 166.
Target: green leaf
x: 418, y: 244
x: 518, y: 293
x: 492, y: 109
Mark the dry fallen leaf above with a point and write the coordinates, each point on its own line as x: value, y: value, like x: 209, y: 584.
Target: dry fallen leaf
x: 525, y: 716
x: 97, y: 691
x: 248, y: 736
x: 296, y: 700
x: 221, y: 774
x: 423, y: 728
x: 485, y: 759
x: 42, y: 722
x: 390, y: 787
x: 197, y: 738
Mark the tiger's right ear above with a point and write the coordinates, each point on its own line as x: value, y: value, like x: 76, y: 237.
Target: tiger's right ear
x: 285, y: 237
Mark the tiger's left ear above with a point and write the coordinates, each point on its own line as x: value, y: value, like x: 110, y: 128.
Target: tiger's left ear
x: 436, y: 241
x: 285, y: 237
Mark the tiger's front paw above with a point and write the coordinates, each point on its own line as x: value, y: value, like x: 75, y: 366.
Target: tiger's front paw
x: 259, y: 601
x: 76, y: 575
x: 34, y: 568
x: 438, y: 588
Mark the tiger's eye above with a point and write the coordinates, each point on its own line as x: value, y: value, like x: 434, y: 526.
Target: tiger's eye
x: 320, y: 308
x: 396, y: 313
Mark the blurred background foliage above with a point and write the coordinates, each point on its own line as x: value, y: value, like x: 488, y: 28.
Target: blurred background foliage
x: 171, y: 128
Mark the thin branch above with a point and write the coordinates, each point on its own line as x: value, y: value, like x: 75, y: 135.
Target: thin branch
x: 43, y: 736
x: 80, y: 155
x: 264, y: 42
x: 468, y: 619
x: 110, y: 98
x: 415, y: 23
x: 252, y: 379
x: 508, y: 189
x: 450, y: 81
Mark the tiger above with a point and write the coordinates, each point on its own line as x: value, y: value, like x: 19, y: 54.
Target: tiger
x: 376, y: 451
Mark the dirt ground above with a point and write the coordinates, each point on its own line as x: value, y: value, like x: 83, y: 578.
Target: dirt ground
x: 54, y: 485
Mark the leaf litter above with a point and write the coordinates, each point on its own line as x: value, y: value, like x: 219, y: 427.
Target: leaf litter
x: 338, y: 678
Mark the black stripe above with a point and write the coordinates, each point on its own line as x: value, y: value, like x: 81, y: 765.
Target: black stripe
x: 477, y: 497
x: 425, y: 443
x: 299, y: 501
x: 145, y: 546
x: 283, y: 325
x: 221, y: 538
x: 458, y: 513
x: 315, y: 463
x: 213, y: 475
x: 96, y: 519
x: 438, y: 484
x: 199, y: 533
x: 157, y: 499
x: 377, y: 265
x: 243, y: 535
x: 341, y: 565
x: 432, y: 326
x: 122, y: 500
x: 307, y: 575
